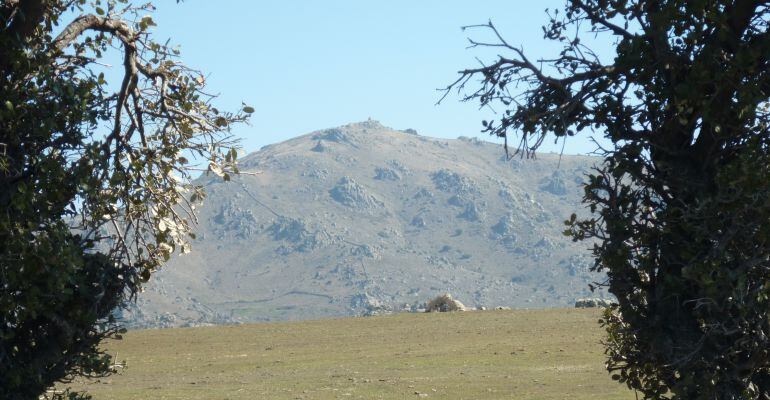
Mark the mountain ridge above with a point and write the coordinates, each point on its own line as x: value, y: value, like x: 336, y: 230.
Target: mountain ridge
x: 362, y: 217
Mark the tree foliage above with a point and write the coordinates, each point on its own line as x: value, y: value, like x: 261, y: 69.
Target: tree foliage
x: 95, y: 177
x: 681, y: 202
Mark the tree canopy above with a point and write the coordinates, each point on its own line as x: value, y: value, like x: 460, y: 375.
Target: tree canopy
x: 95, y: 177
x: 681, y: 202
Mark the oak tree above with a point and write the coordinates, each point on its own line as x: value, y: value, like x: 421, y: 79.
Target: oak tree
x: 680, y: 204
x: 101, y: 131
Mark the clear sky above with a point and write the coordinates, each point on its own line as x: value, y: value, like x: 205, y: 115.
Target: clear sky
x: 308, y: 65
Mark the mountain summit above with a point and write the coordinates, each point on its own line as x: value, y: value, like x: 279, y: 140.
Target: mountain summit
x: 345, y: 220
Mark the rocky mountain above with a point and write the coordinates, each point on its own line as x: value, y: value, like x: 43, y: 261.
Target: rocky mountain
x: 362, y: 217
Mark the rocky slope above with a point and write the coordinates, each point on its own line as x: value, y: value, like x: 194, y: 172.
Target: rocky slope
x: 363, y: 217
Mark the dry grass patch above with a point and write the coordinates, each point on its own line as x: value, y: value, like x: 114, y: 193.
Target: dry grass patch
x: 522, y: 354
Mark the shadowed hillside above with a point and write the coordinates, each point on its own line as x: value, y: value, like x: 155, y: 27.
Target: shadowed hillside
x: 363, y: 218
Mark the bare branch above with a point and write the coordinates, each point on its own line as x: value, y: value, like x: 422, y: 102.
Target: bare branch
x: 596, y: 19
x: 119, y: 28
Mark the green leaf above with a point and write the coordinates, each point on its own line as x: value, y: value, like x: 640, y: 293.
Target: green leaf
x: 147, y: 21
x: 216, y: 169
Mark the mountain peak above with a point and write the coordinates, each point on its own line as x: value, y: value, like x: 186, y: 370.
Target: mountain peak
x: 366, y: 210
x: 368, y: 124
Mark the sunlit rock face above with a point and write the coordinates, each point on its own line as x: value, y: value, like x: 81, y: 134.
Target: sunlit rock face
x: 363, y: 211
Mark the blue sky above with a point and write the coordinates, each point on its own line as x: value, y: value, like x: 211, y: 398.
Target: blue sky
x: 307, y: 65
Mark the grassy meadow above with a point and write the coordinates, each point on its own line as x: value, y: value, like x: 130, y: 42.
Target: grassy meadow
x: 520, y: 354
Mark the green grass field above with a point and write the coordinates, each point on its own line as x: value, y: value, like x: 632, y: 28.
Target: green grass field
x: 521, y: 354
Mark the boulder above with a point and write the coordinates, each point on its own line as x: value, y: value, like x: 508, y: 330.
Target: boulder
x: 444, y: 303
x: 592, y: 303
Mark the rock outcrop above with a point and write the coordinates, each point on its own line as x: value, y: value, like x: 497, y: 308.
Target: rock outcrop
x: 349, y: 193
